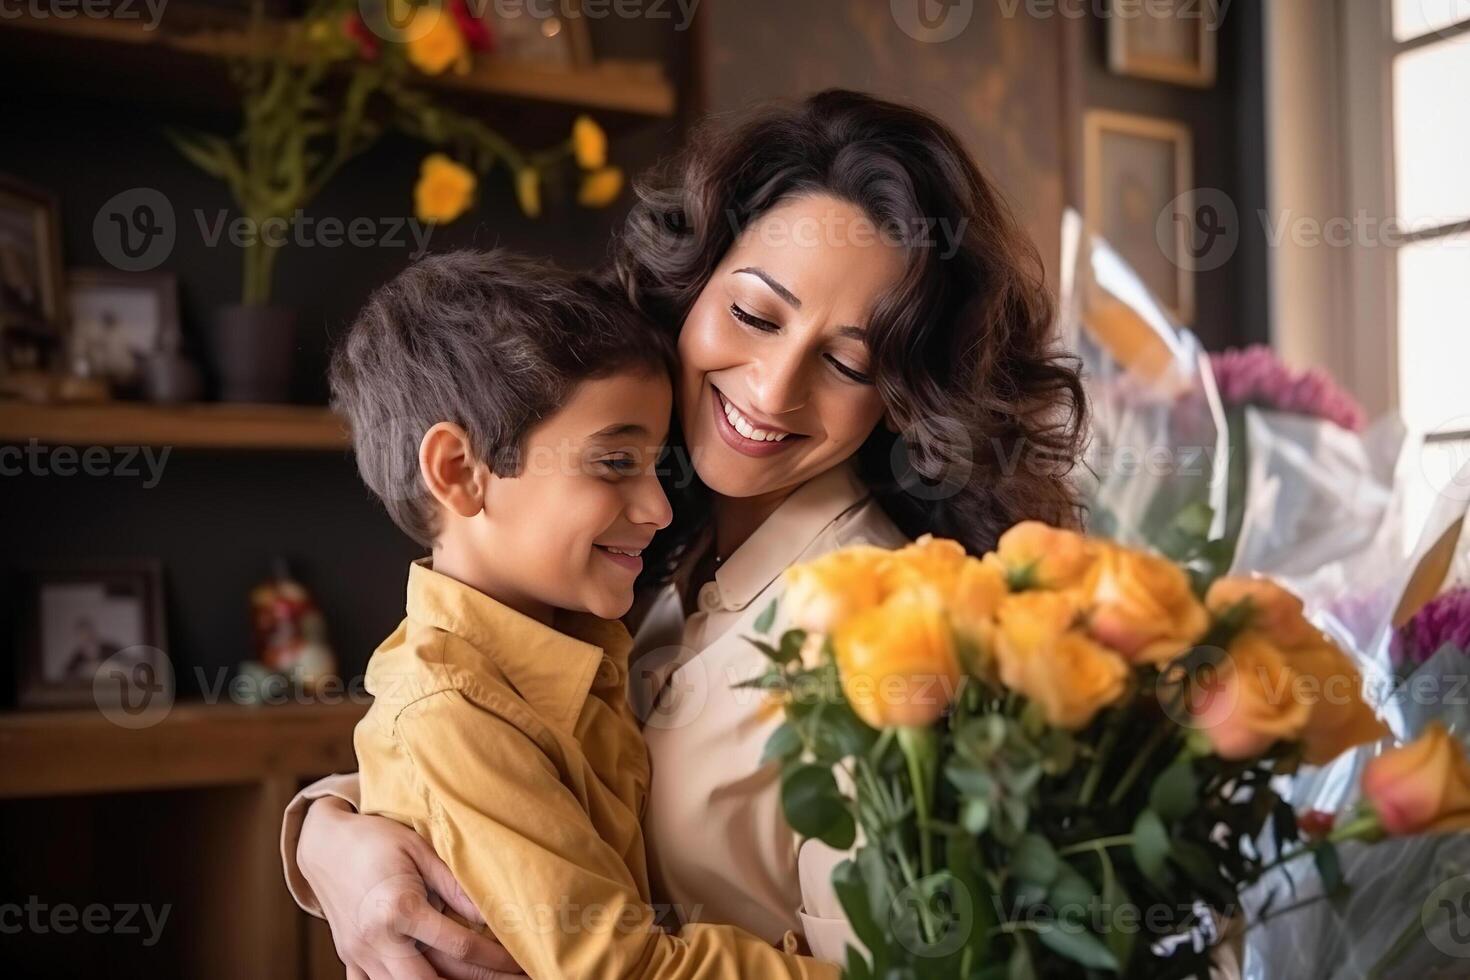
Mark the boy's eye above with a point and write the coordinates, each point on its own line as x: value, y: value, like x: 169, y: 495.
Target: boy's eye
x: 620, y: 464
x: 751, y: 320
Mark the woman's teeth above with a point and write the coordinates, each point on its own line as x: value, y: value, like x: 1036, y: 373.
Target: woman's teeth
x: 620, y: 551
x: 747, y: 428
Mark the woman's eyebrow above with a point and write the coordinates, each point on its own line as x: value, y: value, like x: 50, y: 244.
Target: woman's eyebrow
x: 776, y: 287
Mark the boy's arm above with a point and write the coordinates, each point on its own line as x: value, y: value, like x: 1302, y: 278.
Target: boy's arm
x: 554, y: 892
x: 342, y: 786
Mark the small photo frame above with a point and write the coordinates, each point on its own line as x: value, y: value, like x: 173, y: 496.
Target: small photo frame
x: 1164, y: 40
x: 119, y: 320
x: 543, y: 36
x: 30, y: 258
x: 76, y: 618
x: 1136, y: 170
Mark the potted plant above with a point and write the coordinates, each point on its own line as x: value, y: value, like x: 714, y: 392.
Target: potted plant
x: 316, y: 92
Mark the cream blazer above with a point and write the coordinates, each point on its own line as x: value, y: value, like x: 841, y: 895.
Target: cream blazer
x: 719, y: 848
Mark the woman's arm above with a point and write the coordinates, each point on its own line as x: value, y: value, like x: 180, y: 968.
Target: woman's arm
x: 380, y: 887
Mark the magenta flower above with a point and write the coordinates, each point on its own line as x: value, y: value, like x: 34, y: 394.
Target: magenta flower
x: 1255, y: 376
x: 1445, y: 620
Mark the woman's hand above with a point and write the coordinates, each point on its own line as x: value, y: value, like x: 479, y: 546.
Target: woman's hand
x: 381, y: 887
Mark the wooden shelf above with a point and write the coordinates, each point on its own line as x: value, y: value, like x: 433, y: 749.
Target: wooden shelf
x: 56, y: 753
x: 635, y: 87
x: 297, y: 427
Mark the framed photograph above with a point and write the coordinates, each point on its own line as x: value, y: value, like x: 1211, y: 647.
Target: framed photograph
x: 1136, y: 169
x: 1164, y: 40
x: 76, y: 618
x: 30, y: 258
x: 544, y: 35
x: 119, y: 319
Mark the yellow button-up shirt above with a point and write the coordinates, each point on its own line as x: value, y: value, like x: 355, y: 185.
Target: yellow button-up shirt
x: 511, y: 747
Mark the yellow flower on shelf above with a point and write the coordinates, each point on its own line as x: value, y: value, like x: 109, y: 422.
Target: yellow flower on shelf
x: 601, y: 187
x: 528, y: 191
x: 435, y: 43
x: 445, y: 190
x: 589, y: 144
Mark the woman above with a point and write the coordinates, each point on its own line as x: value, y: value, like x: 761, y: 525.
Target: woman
x: 863, y: 334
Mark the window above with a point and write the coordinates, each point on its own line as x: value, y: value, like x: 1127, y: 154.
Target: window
x: 1428, y: 48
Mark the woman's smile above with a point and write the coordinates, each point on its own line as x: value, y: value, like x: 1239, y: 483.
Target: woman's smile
x: 743, y: 434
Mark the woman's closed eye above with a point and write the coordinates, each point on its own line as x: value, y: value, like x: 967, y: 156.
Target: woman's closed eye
x: 751, y: 320
x: 766, y: 326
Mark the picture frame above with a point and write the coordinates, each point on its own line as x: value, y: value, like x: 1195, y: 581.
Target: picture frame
x: 554, y: 42
x: 118, y: 320
x: 74, y: 618
x: 1136, y: 170
x: 1173, y: 41
x: 30, y: 260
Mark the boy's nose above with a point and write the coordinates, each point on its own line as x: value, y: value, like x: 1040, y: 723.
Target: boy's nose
x: 649, y: 504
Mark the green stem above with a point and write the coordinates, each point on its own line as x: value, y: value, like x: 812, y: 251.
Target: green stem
x: 1097, y: 844
x: 1099, y: 761
x: 918, y: 750
x: 1159, y: 735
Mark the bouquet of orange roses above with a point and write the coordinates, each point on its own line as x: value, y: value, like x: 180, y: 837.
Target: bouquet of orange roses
x: 1061, y: 759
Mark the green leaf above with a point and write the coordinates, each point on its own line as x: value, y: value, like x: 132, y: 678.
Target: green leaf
x: 970, y: 781
x: 1070, y: 895
x: 1078, y: 945
x: 852, y: 893
x: 1328, y: 866
x: 1151, y: 848
x: 1176, y: 792
x: 765, y: 648
x: 768, y: 616
x: 975, y: 816
x: 1021, y: 967
x: 841, y: 734
x: 790, y: 649
x: 1119, y: 935
x: 1035, y: 860
x: 815, y: 808
x: 784, y: 742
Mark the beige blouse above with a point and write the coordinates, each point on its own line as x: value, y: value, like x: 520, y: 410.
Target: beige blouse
x: 719, y: 848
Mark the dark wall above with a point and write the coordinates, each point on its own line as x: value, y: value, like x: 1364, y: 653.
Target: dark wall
x: 87, y: 129
x: 1228, y: 122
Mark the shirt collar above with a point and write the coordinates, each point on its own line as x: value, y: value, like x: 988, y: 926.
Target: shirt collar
x: 790, y: 529
x: 552, y: 669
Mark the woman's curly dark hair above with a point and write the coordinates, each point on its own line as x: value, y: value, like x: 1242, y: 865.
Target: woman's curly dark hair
x: 991, y: 415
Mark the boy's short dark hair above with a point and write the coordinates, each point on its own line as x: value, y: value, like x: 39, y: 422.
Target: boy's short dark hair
x: 491, y: 341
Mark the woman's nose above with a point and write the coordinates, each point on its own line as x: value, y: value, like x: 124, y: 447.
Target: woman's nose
x: 778, y: 381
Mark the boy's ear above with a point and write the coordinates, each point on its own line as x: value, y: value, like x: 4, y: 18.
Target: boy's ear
x: 450, y: 470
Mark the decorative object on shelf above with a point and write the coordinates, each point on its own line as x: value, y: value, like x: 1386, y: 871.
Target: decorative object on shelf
x: 31, y: 309
x: 552, y: 36
x: 1164, y: 41
x: 119, y: 320
x: 1136, y: 169
x: 316, y: 92
x: 77, y: 617
x: 290, y: 631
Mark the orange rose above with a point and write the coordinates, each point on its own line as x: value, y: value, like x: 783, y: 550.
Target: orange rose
x: 1061, y: 669
x: 1034, y: 555
x: 1332, y: 687
x: 1273, y: 610
x: 1143, y: 606
x: 1255, y: 701
x: 897, y: 662
x: 929, y: 563
x: 978, y: 593
x: 1422, y: 787
x: 826, y: 592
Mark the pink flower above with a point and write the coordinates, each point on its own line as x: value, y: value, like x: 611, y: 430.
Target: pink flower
x: 1256, y: 376
x: 1445, y: 620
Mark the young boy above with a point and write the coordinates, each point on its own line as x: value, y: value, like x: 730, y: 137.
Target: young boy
x: 509, y: 417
